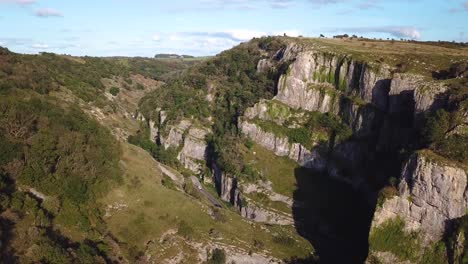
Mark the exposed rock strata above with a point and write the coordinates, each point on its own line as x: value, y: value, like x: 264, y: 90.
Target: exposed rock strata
x: 431, y: 193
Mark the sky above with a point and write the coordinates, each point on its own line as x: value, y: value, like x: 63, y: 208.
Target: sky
x: 206, y: 27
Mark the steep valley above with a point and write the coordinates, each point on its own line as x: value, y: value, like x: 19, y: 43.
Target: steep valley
x: 280, y: 150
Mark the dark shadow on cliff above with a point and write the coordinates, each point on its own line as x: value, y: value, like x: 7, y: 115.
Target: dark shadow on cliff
x: 334, y: 217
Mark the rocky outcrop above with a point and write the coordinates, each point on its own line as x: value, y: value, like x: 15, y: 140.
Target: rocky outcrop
x: 153, y: 130
x: 229, y: 191
x: 431, y: 193
x: 368, y: 80
x: 264, y: 65
x: 281, y: 146
x: 176, y: 134
x: 193, y: 154
x: 189, y: 138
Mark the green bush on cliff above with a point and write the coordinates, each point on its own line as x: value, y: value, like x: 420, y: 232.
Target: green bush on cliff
x: 435, y: 133
x: 436, y: 126
x: 390, y: 236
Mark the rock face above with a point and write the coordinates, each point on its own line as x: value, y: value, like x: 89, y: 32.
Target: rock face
x: 194, y: 151
x: 281, y: 146
x: 431, y: 194
x: 376, y: 103
x: 370, y: 82
x: 190, y: 139
x: 176, y: 134
x: 229, y: 191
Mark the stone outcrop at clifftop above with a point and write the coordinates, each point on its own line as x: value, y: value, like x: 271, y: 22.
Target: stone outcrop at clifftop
x: 431, y: 194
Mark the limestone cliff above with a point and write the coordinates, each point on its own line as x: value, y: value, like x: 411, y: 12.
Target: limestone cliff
x: 431, y: 193
x: 189, y: 139
x: 229, y: 190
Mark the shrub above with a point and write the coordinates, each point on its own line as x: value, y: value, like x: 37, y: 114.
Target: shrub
x: 284, y: 240
x: 218, y: 256
x: 436, y: 126
x: 386, y: 193
x: 185, y: 230
x: 168, y: 183
x: 114, y: 90
x: 391, y: 237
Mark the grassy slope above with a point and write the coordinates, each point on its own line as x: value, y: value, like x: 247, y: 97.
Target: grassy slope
x: 279, y: 170
x: 153, y: 210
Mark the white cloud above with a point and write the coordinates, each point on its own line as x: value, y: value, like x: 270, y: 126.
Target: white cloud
x: 156, y: 37
x: 40, y: 46
x: 48, y: 12
x: 174, y: 37
x: 396, y: 31
x: 404, y: 32
x: 19, y: 2
x: 244, y: 34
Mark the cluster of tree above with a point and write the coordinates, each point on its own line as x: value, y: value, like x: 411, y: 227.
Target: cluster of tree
x: 63, y: 155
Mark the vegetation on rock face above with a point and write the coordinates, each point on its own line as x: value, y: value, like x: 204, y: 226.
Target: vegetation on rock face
x: 444, y: 130
x: 456, y: 240
x: 391, y: 237
x: 142, y: 139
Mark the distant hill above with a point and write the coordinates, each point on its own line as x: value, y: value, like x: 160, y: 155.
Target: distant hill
x: 172, y: 56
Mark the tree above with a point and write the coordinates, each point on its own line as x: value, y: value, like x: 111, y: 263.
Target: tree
x: 436, y: 127
x: 114, y: 91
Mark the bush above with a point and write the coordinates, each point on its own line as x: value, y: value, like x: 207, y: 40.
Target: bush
x: 168, y: 183
x: 114, y: 91
x: 218, y: 256
x: 437, y: 124
x: 386, y: 193
x: 284, y: 240
x: 185, y: 230
x: 391, y: 237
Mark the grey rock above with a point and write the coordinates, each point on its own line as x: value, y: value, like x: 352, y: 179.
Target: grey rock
x: 153, y: 130
x: 431, y: 194
x: 194, y: 151
x: 281, y: 146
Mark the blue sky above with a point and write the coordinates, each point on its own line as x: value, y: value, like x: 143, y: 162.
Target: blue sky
x: 206, y: 27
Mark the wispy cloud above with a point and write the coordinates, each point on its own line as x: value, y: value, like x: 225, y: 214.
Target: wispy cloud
x: 238, y: 35
x: 39, y: 46
x: 19, y: 2
x: 369, y: 4
x: 48, y: 12
x: 396, y: 31
x: 16, y: 41
x: 252, y: 4
x: 156, y: 37
x: 463, y: 7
